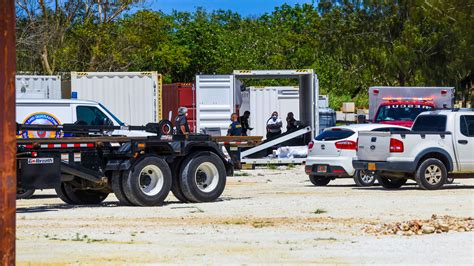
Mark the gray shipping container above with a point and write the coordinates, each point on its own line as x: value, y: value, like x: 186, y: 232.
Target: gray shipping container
x: 38, y: 87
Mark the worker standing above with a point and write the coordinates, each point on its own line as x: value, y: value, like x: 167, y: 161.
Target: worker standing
x: 182, y: 126
x: 274, y: 125
x: 244, y: 121
x: 235, y: 128
x: 291, y: 123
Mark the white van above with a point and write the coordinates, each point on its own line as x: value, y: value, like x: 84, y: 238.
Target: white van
x: 66, y: 111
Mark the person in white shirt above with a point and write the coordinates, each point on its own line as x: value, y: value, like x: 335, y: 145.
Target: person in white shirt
x: 274, y: 125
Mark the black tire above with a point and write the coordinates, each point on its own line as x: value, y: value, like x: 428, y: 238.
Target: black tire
x: 319, y: 181
x: 60, y: 191
x: 83, y: 196
x: 203, y: 177
x: 449, y: 180
x: 364, y: 178
x: 24, y: 193
x: 116, y: 184
x: 165, y: 127
x: 139, y: 186
x: 391, y: 183
x: 431, y: 174
x: 176, y: 184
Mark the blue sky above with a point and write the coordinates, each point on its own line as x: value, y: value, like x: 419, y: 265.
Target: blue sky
x: 243, y: 7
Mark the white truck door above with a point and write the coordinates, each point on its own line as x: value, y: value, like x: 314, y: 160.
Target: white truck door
x: 214, y: 101
x: 464, y: 142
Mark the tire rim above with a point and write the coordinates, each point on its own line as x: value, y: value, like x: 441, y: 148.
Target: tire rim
x: 206, y: 177
x: 366, y: 178
x: 151, y: 180
x: 433, y: 174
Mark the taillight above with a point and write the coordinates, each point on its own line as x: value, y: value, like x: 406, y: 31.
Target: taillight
x: 443, y: 92
x: 396, y: 145
x: 310, y: 145
x: 346, y: 145
x: 357, y: 144
x: 376, y: 91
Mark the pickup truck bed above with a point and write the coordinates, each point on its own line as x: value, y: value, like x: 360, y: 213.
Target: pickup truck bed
x: 428, y: 156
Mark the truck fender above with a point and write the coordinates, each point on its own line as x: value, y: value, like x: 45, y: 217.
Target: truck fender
x: 449, y: 167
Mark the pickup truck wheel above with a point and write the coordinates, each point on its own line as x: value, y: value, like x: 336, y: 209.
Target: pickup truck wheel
x: 364, y: 178
x: 391, y: 183
x: 24, y: 193
x: 117, y: 188
x: 83, y: 196
x: 203, y: 177
x: 148, y: 183
x: 431, y: 174
x: 319, y: 181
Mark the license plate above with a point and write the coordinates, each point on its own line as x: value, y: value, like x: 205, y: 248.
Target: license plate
x: 322, y: 169
x: 371, y: 167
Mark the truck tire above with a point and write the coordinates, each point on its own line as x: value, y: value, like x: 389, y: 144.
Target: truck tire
x: 431, y: 174
x: 364, y: 178
x: 203, y: 177
x: 391, y: 183
x: 24, y: 193
x: 83, y: 196
x: 116, y: 183
x: 319, y: 181
x: 176, y: 190
x: 165, y: 127
x: 62, y: 194
x: 148, y: 182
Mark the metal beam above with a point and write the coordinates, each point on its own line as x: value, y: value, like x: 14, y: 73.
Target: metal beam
x: 7, y: 133
x: 275, y: 142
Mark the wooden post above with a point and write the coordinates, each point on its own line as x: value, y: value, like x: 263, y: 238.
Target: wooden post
x: 7, y: 132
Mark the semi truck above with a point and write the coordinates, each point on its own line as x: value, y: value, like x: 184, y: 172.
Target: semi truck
x: 401, y: 105
x: 89, y: 164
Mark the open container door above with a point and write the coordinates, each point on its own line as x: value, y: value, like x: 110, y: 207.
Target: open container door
x: 215, y: 101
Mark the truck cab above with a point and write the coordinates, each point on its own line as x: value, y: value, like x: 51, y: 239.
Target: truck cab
x: 401, y: 105
x: 401, y: 112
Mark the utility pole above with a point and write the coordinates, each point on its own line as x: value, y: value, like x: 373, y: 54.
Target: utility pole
x: 7, y: 133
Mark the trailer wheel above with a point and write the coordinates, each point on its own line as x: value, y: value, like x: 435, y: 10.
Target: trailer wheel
x: 24, y: 193
x: 165, y: 127
x: 364, y: 178
x: 148, y: 183
x: 391, y: 183
x: 83, y: 196
x: 60, y: 191
x: 319, y: 181
x: 431, y: 174
x: 203, y: 177
x: 176, y: 189
x: 117, y: 188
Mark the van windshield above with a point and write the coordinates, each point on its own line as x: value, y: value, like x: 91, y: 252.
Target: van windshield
x: 400, y: 112
x: 112, y: 115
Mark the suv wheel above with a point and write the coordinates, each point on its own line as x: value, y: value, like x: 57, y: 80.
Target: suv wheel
x: 431, y: 174
x: 319, y: 181
x: 364, y: 178
x: 391, y: 183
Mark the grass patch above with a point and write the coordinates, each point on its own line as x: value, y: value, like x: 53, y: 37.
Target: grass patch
x: 261, y: 224
x: 241, y: 174
x: 235, y: 222
x: 319, y: 211
x: 78, y: 238
x: 272, y: 166
x: 325, y: 239
x: 291, y: 166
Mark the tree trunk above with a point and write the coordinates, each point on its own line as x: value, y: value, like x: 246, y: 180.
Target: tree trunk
x: 45, y: 61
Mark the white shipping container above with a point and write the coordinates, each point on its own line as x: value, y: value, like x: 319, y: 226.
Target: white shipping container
x: 134, y: 97
x: 38, y: 87
x: 264, y: 100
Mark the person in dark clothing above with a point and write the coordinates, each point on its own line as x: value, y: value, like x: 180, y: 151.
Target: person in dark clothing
x: 274, y: 125
x: 181, y: 124
x: 291, y: 123
x: 244, y: 121
x: 235, y: 128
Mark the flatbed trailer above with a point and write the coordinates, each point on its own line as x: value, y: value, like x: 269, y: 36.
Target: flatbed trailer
x: 141, y: 171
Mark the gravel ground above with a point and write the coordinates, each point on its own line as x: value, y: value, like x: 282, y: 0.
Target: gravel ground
x: 264, y: 216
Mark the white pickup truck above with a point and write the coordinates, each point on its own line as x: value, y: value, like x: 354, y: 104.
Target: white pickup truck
x: 439, y: 146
